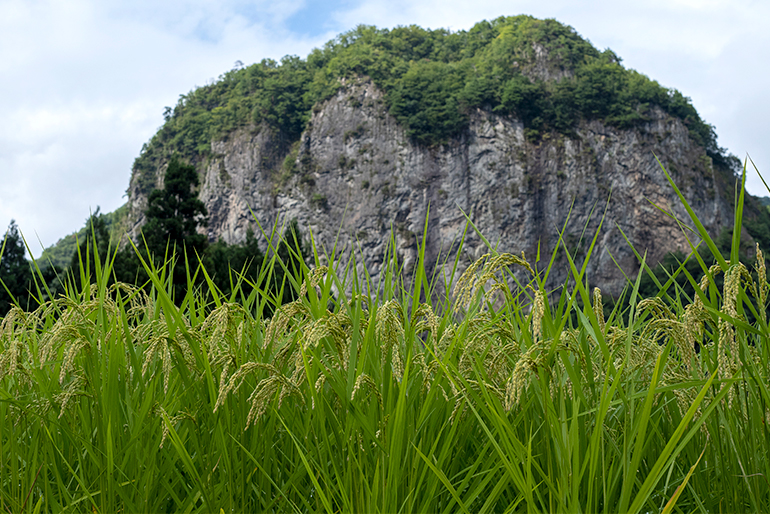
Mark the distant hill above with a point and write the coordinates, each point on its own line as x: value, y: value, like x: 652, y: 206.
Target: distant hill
x: 60, y: 253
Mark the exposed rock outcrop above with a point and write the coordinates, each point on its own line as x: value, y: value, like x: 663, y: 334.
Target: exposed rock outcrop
x: 356, y: 174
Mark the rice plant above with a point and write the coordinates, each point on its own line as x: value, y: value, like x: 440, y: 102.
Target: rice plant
x: 500, y: 396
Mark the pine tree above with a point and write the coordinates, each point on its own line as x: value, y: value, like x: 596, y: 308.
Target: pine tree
x: 173, y: 216
x: 15, y: 271
x: 175, y: 212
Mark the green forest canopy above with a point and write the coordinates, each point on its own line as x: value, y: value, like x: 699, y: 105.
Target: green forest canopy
x: 431, y: 79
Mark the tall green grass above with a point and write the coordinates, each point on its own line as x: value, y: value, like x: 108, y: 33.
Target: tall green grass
x: 366, y: 396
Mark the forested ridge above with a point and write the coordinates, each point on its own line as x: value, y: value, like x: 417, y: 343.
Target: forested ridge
x: 540, y: 71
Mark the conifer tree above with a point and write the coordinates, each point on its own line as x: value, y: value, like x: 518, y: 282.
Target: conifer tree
x: 173, y: 216
x: 175, y: 212
x: 15, y: 271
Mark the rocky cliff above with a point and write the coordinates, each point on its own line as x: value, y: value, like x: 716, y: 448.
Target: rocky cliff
x: 355, y: 178
x: 519, y: 123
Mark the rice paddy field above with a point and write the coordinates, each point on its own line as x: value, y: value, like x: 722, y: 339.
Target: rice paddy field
x: 499, y: 396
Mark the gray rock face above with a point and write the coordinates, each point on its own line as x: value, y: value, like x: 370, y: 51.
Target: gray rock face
x: 356, y: 178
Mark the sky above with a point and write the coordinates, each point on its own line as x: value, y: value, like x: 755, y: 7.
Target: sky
x: 83, y: 83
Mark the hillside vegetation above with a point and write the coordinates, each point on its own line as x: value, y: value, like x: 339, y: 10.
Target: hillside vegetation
x: 540, y: 71
x: 60, y: 254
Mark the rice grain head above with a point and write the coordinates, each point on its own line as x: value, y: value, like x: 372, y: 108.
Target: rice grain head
x: 518, y: 380
x: 288, y: 388
x: 167, y: 420
x: 73, y: 388
x: 319, y: 385
x: 464, y: 286
x: 695, y: 315
x: 12, y: 359
x: 471, y: 280
x: 260, y: 399
x: 762, y: 284
x: 734, y: 276
x: 599, y: 309
x: 656, y: 307
x: 390, y: 332
x: 538, y: 312
x: 313, y: 278
x: 71, y: 351
x: 158, y: 341
x: 281, y: 319
x: 237, y: 379
x: 367, y: 381
x: 426, y: 320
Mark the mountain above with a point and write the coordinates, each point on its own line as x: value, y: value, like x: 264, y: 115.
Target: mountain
x: 517, y: 122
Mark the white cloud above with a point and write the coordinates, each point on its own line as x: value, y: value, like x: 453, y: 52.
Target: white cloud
x: 85, y: 85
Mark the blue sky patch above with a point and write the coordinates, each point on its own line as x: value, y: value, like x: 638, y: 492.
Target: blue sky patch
x: 316, y: 18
